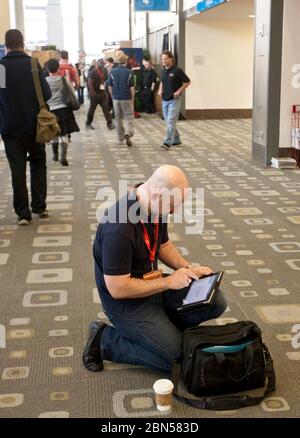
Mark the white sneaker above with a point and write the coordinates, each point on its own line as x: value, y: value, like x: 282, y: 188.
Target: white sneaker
x: 23, y: 222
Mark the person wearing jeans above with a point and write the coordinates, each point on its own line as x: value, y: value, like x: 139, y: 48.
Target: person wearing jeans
x: 123, y: 110
x: 171, y: 111
x: 139, y: 301
x: 121, y: 88
x: 173, y: 84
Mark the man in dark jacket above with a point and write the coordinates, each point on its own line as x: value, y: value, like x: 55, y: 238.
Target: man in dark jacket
x: 148, y: 86
x: 18, y: 119
x: 97, y: 85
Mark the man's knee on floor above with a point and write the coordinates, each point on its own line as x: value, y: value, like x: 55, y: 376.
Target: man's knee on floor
x: 172, y: 350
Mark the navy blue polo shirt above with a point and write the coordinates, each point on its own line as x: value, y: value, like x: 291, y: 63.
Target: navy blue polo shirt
x: 121, y: 80
x: 119, y: 248
x: 19, y: 105
x: 172, y: 79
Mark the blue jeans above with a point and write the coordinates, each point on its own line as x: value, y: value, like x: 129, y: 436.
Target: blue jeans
x: 148, y: 332
x: 171, y: 111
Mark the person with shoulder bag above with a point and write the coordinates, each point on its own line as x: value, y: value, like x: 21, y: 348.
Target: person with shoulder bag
x: 62, y: 104
x: 21, y: 124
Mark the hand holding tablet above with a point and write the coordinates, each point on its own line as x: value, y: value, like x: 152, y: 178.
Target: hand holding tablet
x: 201, y: 292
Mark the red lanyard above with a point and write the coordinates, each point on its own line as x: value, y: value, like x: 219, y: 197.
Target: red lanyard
x: 152, y: 251
x: 100, y: 73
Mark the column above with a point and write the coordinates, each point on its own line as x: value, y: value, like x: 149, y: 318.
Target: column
x: 290, y: 84
x: 18, y: 7
x: 267, y: 80
x: 4, y: 19
x: 80, y: 26
x: 180, y: 44
x: 55, y: 24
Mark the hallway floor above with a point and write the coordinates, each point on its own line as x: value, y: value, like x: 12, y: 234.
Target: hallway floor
x: 47, y: 287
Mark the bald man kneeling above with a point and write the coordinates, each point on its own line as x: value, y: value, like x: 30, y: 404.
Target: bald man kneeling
x: 139, y: 301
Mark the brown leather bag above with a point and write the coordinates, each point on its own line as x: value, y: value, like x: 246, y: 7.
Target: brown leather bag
x: 47, y: 125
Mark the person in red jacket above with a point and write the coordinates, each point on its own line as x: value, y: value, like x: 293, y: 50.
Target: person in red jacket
x: 68, y: 70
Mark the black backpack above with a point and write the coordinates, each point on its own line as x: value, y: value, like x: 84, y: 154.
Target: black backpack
x: 221, y: 360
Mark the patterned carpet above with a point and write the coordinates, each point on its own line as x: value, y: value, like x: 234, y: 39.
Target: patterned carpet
x: 48, y: 294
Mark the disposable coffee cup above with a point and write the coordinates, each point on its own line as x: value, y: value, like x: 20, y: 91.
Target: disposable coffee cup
x: 163, y: 394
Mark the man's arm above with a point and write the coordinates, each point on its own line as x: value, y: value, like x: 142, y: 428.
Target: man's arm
x: 91, y: 87
x: 75, y: 78
x: 160, y: 90
x: 125, y: 287
x: 171, y: 257
x: 182, y: 89
x: 132, y: 90
x: 44, y: 84
x: 154, y: 80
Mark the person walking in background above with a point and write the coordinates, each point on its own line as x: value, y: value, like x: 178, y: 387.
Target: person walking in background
x: 109, y: 65
x: 96, y: 85
x: 121, y: 88
x: 66, y: 69
x: 19, y: 108
x: 82, y: 82
x: 92, y: 66
x: 64, y: 114
x: 173, y: 84
x: 149, y: 82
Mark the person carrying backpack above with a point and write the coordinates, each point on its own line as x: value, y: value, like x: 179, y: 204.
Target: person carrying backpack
x: 67, y: 70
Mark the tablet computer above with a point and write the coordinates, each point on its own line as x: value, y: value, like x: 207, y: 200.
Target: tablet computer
x: 201, y: 292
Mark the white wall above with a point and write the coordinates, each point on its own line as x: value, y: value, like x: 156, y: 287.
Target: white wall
x: 138, y: 25
x: 225, y: 51
x: 159, y: 20
x: 4, y: 19
x: 290, y: 92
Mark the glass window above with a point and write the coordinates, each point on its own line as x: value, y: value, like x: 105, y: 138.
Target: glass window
x: 102, y: 22
x: 35, y: 19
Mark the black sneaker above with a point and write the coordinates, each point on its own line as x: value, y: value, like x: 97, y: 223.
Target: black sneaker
x: 24, y: 222
x: 128, y: 141
x: 166, y: 147
x: 91, y: 355
x: 110, y: 126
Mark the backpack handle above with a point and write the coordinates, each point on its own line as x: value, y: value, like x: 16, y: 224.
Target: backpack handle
x: 223, y: 364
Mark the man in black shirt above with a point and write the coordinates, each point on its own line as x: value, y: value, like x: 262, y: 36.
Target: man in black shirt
x: 148, y: 86
x: 173, y: 83
x: 139, y: 301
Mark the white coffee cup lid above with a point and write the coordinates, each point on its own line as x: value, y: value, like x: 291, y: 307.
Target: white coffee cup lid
x: 163, y: 386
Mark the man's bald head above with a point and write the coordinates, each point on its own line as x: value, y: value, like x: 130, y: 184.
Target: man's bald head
x: 168, y: 177
x: 165, y: 192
